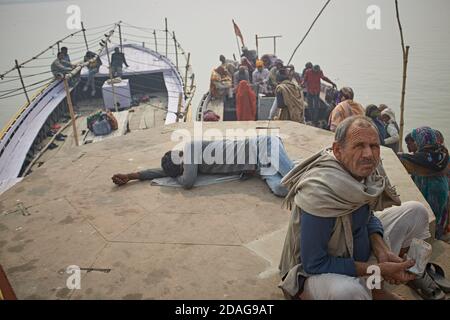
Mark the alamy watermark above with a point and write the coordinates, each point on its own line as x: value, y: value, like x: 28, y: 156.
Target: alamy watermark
x: 73, y: 22
x: 374, y: 20
x: 73, y: 282
x: 374, y: 280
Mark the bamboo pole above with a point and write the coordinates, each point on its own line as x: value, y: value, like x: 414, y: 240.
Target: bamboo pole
x: 257, y: 46
x: 80, y: 66
x: 180, y: 99
x: 192, y: 83
x: 307, y: 32
x: 120, y: 38
x: 21, y: 80
x: 84, y: 35
x: 186, y: 71
x: 176, y: 49
x: 405, y: 50
x: 156, y: 42
x: 274, y: 46
x: 72, y: 114
x: 167, y: 35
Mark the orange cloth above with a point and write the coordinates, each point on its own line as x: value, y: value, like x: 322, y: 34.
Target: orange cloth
x: 245, y: 102
x: 344, y: 110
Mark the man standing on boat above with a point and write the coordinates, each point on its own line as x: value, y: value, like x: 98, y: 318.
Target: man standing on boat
x: 273, y: 82
x: 261, y: 78
x: 288, y: 103
x: 117, y: 62
x: 229, y: 65
x: 312, y: 83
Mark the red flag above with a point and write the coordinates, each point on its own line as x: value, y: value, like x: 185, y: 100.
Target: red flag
x: 238, y: 33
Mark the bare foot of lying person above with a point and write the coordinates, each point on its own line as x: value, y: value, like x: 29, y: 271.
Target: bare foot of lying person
x: 120, y: 179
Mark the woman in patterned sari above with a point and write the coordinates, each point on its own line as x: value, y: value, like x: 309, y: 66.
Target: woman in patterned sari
x: 428, y: 168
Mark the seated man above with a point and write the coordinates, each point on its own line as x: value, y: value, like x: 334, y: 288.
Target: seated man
x: 264, y: 155
x: 60, y: 67
x: 334, y: 236
x: 220, y: 83
x: 93, y: 68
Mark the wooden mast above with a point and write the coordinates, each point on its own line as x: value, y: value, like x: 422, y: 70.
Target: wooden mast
x: 405, y: 50
x: 21, y: 80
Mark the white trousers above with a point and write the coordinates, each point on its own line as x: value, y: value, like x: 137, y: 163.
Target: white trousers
x: 401, y: 224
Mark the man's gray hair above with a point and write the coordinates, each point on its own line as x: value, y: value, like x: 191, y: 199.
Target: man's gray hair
x: 342, y: 129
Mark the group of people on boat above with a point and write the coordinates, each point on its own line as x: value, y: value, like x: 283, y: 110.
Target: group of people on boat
x: 62, y: 66
x: 268, y: 76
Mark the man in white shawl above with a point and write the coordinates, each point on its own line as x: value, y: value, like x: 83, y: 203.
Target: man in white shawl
x: 347, y: 222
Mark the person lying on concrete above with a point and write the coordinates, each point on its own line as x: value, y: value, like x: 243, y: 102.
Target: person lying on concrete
x: 343, y: 223
x: 264, y: 156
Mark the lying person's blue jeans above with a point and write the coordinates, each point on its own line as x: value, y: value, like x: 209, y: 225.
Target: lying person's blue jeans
x: 279, y: 164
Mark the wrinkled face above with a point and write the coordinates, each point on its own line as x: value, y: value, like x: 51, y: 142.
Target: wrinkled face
x: 411, y: 145
x: 360, y: 154
x: 385, y: 118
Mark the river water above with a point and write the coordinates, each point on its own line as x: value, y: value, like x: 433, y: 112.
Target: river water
x: 369, y: 61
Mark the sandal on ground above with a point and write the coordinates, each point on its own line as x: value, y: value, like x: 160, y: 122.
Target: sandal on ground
x: 427, y: 288
x: 438, y: 275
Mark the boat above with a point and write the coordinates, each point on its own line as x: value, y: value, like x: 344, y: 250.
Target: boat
x: 159, y: 91
x: 226, y: 107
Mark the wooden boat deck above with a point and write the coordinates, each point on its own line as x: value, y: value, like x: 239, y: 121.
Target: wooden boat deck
x: 219, y: 242
x: 145, y: 116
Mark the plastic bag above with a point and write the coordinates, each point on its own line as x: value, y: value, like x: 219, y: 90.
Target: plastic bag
x: 419, y: 251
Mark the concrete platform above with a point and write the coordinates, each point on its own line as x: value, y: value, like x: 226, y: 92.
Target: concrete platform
x: 218, y: 242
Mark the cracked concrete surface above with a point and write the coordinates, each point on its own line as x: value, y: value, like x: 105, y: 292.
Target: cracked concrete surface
x: 217, y: 242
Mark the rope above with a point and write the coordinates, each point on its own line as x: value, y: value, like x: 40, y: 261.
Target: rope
x: 142, y: 28
x: 7, y: 95
x: 304, y: 37
x: 24, y: 77
x: 82, y: 44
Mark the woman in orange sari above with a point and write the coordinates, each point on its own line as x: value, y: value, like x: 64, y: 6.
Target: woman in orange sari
x: 245, y: 100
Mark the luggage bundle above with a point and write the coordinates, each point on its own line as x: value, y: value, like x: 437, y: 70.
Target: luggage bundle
x: 102, y: 123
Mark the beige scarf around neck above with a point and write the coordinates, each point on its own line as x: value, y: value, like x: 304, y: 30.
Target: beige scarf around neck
x: 322, y: 187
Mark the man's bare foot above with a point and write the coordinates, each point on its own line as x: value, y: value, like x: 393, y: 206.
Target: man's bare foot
x: 383, y: 294
x: 120, y: 179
